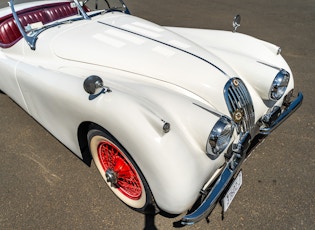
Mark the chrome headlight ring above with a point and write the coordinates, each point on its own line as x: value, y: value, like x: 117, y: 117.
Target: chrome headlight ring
x: 220, y: 137
x: 279, y: 85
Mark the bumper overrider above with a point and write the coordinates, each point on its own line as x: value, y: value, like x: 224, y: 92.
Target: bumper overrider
x: 233, y: 165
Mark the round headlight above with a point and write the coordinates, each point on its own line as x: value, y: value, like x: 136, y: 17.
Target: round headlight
x: 219, y: 137
x: 279, y: 85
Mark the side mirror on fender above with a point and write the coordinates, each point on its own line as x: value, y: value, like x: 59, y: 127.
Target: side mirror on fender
x: 93, y: 85
x: 236, y: 22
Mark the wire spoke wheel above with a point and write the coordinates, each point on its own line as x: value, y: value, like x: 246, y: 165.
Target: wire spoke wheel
x: 119, y: 171
x: 111, y: 158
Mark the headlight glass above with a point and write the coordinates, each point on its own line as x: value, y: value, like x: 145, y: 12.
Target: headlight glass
x: 279, y: 85
x: 219, y: 137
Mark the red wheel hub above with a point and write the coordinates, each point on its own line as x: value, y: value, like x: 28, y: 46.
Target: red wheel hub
x: 112, y: 158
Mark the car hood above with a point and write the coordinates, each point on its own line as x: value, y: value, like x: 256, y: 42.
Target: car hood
x: 135, y: 45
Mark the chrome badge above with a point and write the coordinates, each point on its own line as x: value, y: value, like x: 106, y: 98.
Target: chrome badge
x: 238, y: 115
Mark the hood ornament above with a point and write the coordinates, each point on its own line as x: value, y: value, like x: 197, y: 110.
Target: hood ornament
x: 236, y: 22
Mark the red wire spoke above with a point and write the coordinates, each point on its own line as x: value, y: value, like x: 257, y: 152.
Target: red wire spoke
x: 128, y: 182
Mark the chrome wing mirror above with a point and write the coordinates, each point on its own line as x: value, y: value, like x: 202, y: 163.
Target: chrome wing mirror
x: 236, y: 22
x: 94, y: 86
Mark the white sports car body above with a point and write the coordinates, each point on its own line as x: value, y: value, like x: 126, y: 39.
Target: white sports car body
x: 168, y: 114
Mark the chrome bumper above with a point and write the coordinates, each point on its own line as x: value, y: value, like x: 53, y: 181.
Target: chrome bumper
x: 221, y: 184
x: 233, y: 165
x: 293, y: 106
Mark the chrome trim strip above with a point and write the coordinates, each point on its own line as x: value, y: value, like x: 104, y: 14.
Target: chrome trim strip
x: 217, y: 190
x: 271, y: 66
x: 294, y: 105
x: 208, y: 110
x: 166, y: 44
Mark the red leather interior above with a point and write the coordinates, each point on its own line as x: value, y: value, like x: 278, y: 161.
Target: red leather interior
x: 9, y: 32
x: 59, y: 12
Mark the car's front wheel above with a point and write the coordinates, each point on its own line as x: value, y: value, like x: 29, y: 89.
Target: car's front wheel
x: 119, y: 171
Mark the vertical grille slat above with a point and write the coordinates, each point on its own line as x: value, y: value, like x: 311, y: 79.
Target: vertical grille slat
x: 232, y: 99
x: 238, y: 98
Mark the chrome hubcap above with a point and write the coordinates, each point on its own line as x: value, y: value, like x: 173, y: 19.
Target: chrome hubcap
x: 111, y: 177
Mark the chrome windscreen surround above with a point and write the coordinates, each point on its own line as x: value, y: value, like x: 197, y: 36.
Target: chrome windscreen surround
x: 240, y: 105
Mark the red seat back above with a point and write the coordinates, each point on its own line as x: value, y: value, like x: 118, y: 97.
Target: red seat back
x: 9, y: 32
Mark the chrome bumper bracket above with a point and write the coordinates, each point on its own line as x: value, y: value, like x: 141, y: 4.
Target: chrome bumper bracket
x: 293, y: 106
x: 204, y: 210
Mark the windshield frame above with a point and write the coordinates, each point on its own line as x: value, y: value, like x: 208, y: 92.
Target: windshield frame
x: 31, y: 35
x: 110, y: 9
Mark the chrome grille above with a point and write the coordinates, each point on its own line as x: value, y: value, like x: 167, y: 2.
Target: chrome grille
x: 240, y: 105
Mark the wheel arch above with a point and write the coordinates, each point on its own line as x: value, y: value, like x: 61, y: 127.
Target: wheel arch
x: 82, y: 132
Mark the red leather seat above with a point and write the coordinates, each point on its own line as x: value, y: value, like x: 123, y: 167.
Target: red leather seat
x: 9, y: 32
x: 59, y: 12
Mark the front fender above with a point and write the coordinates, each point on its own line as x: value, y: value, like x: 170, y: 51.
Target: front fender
x: 174, y: 163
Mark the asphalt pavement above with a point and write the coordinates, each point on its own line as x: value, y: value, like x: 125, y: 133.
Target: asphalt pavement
x: 44, y: 186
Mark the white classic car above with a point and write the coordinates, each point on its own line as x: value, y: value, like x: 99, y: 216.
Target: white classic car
x: 167, y: 114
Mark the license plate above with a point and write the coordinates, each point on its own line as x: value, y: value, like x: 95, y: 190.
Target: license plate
x: 229, y: 196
